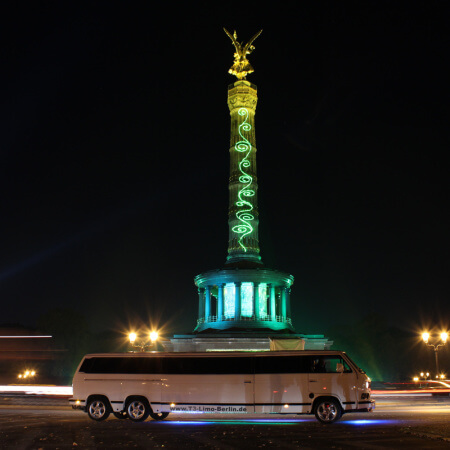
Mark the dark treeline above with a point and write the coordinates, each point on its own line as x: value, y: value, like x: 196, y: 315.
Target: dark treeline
x: 387, y: 353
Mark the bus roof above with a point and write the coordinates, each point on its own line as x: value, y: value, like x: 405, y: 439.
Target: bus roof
x: 223, y: 354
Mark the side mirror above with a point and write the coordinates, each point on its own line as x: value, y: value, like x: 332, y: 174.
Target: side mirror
x: 339, y: 367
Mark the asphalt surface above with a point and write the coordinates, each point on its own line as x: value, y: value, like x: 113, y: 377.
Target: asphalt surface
x: 400, y: 423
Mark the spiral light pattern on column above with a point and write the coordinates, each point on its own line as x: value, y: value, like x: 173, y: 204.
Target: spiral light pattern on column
x: 244, y: 213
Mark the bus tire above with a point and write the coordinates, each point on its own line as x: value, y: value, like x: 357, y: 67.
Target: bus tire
x: 137, y: 409
x: 158, y: 416
x: 98, y: 408
x: 327, y: 410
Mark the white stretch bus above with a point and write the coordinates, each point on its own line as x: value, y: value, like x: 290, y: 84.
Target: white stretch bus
x: 136, y: 385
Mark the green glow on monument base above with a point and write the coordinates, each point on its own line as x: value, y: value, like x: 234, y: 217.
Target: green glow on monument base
x: 246, y: 300
x: 244, y: 215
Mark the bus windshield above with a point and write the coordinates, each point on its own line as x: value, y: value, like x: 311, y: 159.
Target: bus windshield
x: 354, y: 364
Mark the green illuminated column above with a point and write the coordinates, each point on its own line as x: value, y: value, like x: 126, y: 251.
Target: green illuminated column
x: 207, y: 302
x: 243, y: 242
x: 288, y: 303
x: 256, y: 300
x: 284, y: 295
x: 201, y: 303
x: 237, y: 301
x: 220, y: 301
x: 273, y: 311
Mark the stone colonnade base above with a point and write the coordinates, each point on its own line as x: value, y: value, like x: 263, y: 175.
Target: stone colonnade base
x: 196, y: 343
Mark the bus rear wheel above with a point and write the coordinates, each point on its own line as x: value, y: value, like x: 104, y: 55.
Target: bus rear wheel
x: 159, y: 416
x: 327, y: 410
x: 138, y: 409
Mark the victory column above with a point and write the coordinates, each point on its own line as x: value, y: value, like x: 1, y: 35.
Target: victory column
x: 244, y: 305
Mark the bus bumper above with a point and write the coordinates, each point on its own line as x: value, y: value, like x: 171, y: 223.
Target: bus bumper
x: 77, y: 404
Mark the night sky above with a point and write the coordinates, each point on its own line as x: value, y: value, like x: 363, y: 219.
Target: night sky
x: 114, y: 158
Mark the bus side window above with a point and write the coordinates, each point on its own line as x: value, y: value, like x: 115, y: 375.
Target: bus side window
x: 346, y: 367
x: 329, y: 364
x: 319, y: 365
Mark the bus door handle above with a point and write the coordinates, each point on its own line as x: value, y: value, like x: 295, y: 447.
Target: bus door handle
x: 313, y: 381
x: 247, y: 381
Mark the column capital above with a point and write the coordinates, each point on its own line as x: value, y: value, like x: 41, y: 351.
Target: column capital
x: 242, y: 95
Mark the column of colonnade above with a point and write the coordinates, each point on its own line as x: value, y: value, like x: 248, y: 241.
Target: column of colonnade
x: 204, y: 302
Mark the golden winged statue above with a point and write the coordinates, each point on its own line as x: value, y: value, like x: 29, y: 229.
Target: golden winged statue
x: 241, y: 67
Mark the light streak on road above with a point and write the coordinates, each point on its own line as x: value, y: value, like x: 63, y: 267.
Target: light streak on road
x: 37, y: 390
x: 409, y: 392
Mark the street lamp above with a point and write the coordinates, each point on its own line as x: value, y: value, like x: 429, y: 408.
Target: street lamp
x: 443, y: 341
x: 27, y: 374
x: 145, y: 344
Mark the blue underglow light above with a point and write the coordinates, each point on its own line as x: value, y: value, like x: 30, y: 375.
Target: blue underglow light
x: 234, y: 422
x: 187, y: 422
x: 362, y: 422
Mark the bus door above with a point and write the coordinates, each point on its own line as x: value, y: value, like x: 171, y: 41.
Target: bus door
x: 281, y: 384
x: 208, y: 384
x: 331, y: 375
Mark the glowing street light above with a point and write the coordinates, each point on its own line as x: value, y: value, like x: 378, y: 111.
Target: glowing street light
x: 27, y: 374
x: 153, y: 336
x: 443, y: 341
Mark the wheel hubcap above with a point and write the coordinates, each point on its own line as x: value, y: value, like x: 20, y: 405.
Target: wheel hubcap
x: 327, y: 411
x: 97, y: 409
x: 136, y: 410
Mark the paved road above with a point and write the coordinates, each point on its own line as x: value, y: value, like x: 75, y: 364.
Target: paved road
x: 397, y: 423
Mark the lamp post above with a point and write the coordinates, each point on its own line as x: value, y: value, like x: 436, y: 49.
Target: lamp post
x: 443, y: 341
x: 143, y: 345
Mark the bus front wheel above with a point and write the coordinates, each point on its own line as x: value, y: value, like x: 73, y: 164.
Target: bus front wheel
x: 138, y: 409
x: 327, y: 410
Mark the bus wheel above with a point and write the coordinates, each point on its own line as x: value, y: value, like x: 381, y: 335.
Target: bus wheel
x: 159, y: 416
x: 120, y: 414
x: 327, y: 410
x: 138, y: 409
x: 98, y: 409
